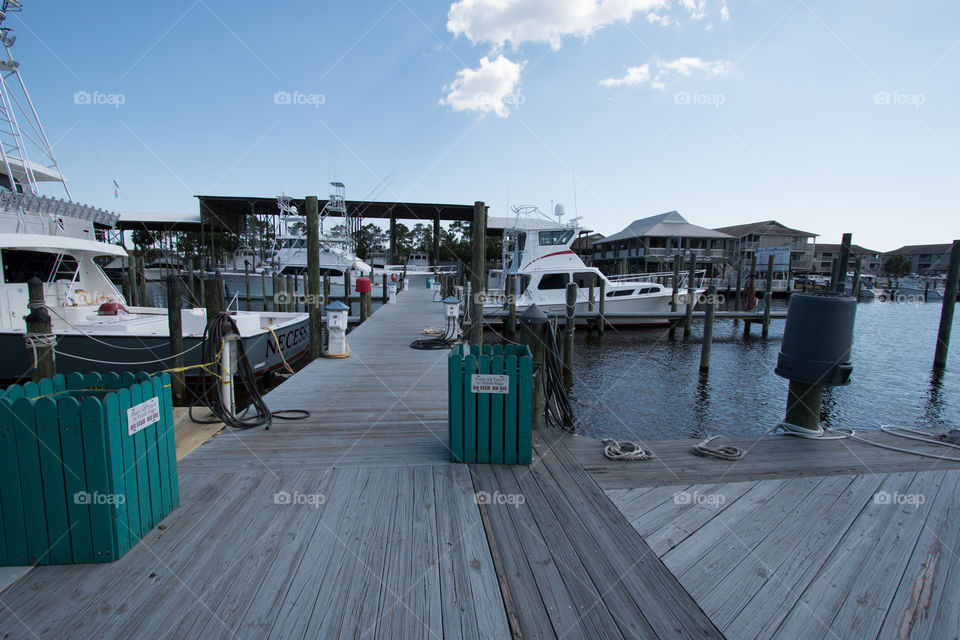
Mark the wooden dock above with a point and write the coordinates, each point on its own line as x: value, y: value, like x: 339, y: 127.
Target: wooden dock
x: 353, y: 523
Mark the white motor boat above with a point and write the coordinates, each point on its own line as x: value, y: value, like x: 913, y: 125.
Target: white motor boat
x: 538, y: 250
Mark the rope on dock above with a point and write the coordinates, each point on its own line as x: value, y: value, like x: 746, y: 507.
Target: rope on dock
x: 625, y: 450
x: 726, y: 452
x: 943, y: 440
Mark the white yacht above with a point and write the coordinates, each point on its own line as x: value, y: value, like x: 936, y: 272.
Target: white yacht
x: 539, y: 251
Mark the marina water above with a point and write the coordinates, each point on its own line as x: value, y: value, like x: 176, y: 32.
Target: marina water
x: 638, y: 384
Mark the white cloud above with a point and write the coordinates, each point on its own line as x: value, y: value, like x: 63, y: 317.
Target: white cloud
x: 491, y: 87
x: 667, y: 70
x: 519, y: 21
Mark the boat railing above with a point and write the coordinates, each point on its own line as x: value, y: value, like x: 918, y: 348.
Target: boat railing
x: 664, y: 278
x: 55, y: 208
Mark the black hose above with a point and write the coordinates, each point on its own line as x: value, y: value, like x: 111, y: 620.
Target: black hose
x: 448, y: 339
x: 558, y: 411
x: 211, y: 393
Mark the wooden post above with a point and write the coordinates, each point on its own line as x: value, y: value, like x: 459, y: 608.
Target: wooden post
x: 691, y: 295
x: 384, y: 292
x: 365, y: 306
x: 263, y: 289
x: 143, y: 283
x: 510, y: 326
x: 436, y: 240
x: 602, y: 304
x: 840, y: 283
x: 767, y: 297
x: 134, y: 299
x: 175, y: 323
x: 38, y: 324
x: 192, y: 283
x: 347, y: 294
x: 246, y: 281
x: 677, y: 259
x: 276, y: 290
x: 803, y: 404
x: 477, y: 275
x: 313, y: 274
x: 213, y: 298
x: 393, y: 239
x: 707, y: 345
x: 753, y: 276
x: 568, y: 328
x: 736, y: 300
x: 946, y: 313
x: 289, y: 305
x: 533, y: 333
x: 855, y: 288
x: 125, y: 285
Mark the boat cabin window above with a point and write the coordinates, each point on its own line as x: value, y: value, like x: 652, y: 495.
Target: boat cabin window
x: 293, y: 243
x: 619, y: 293
x: 648, y: 290
x: 586, y: 279
x: 554, y: 281
x: 20, y: 265
x: 556, y: 237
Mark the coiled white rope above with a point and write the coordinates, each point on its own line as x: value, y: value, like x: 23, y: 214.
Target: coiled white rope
x: 726, y: 452
x: 625, y: 450
x: 34, y: 340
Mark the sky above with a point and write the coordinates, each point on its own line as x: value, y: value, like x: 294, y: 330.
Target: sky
x: 827, y: 116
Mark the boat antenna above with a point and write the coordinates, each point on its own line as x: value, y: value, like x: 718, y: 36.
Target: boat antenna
x: 19, y: 124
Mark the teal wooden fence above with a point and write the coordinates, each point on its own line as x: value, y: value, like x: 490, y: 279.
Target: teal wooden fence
x: 75, y: 486
x: 490, y: 427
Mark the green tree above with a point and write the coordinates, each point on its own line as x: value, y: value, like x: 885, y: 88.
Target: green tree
x: 897, y: 265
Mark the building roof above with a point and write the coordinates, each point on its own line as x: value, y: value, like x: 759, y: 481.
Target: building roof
x: 854, y: 248
x: 665, y: 225
x: 913, y: 249
x: 766, y: 227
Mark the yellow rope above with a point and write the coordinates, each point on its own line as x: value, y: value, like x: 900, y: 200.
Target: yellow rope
x: 279, y: 350
x: 339, y: 355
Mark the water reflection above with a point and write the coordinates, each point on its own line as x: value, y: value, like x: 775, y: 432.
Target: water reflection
x: 933, y: 406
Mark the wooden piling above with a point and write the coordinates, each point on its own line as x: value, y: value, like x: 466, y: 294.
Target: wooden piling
x: 677, y: 259
x: 276, y: 291
x: 691, y: 295
x: 246, y: 281
x: 289, y: 283
x: 313, y: 274
x: 946, y: 313
x: 386, y: 295
x: 840, y: 282
x: 707, y: 344
x: 365, y: 306
x: 855, y: 288
x: 347, y: 293
x: 478, y: 231
x: 39, y: 327
x: 263, y: 289
x: 753, y: 276
x: 767, y: 297
x: 803, y: 405
x: 602, y: 321
x: 510, y: 326
x: 133, y: 299
x: 142, y: 279
x: 569, y: 327
x: 533, y: 333
x: 175, y: 324
x: 213, y: 297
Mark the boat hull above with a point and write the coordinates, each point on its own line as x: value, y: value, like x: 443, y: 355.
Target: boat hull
x: 131, y: 352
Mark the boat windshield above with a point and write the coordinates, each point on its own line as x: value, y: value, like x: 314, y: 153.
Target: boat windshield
x: 556, y: 237
x: 20, y: 265
x: 293, y: 243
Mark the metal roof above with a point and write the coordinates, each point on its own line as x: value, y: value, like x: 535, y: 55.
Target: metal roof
x: 765, y: 227
x: 665, y: 225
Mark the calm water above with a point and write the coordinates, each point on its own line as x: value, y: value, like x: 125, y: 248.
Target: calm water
x: 640, y: 384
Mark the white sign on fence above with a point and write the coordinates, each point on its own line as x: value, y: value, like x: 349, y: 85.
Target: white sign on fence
x: 489, y: 383
x: 781, y: 258
x: 142, y: 415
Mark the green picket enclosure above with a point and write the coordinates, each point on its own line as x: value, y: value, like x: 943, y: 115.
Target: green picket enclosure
x: 490, y: 427
x: 75, y: 486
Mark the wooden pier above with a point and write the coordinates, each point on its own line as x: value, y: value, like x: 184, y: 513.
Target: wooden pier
x: 353, y: 523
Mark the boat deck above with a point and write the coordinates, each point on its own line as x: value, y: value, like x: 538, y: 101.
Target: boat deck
x: 353, y: 523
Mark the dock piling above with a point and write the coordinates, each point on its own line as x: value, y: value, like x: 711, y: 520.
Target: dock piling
x: 855, y: 287
x: 133, y: 299
x: 569, y: 327
x: 707, y: 345
x: 313, y: 274
x: 40, y: 332
x: 752, y: 278
x: 840, y: 282
x: 478, y: 231
x: 601, y: 321
x: 533, y: 334
x: 263, y: 289
x: 142, y: 279
x: 213, y: 298
x: 691, y: 295
x: 946, y: 313
x: 767, y: 297
x: 677, y: 259
x: 175, y: 323
x: 510, y: 327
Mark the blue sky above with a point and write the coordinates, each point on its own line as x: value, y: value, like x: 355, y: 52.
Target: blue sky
x: 827, y: 116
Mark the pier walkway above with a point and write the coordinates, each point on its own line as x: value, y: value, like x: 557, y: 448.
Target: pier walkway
x: 353, y: 523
